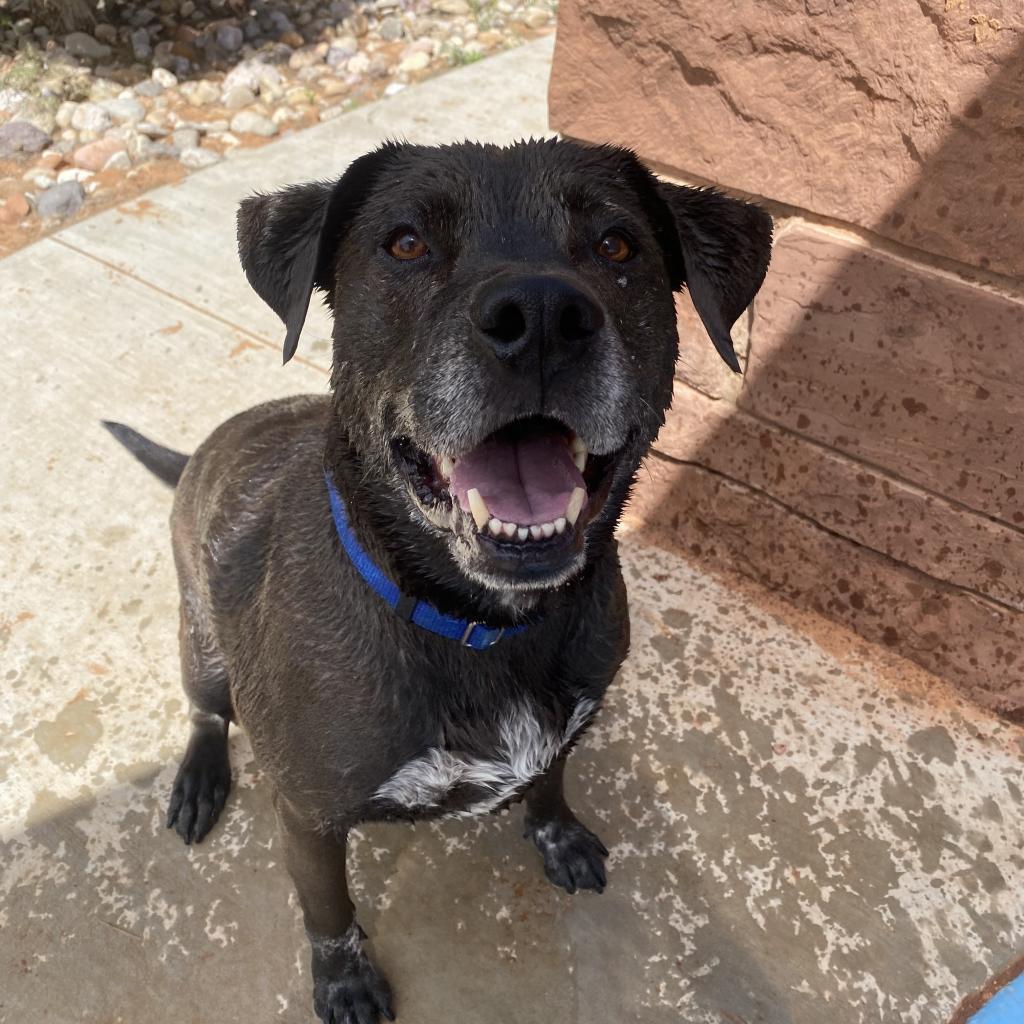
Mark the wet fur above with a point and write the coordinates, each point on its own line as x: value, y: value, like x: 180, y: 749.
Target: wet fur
x: 279, y: 633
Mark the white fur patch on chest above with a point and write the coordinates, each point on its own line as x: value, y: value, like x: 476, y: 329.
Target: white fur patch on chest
x: 525, y: 750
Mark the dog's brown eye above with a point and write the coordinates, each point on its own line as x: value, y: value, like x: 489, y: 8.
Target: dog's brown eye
x: 405, y: 244
x: 614, y: 247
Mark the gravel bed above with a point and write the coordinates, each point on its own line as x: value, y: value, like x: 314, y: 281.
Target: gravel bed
x: 160, y: 89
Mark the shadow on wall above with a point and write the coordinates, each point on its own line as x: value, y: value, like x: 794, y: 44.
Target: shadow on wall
x: 872, y: 466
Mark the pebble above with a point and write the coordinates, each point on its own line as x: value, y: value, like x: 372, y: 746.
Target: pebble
x: 119, y: 161
x: 200, y: 94
x: 139, y: 40
x: 90, y: 117
x: 166, y: 78
x: 11, y: 99
x: 341, y: 51
x: 153, y: 131
x: 230, y: 38
x: 393, y: 88
x: 149, y: 88
x: 141, y: 148
x: 21, y: 137
x: 61, y: 200
x: 457, y: 7
x: 536, y: 17
x: 250, y: 123
x: 242, y: 76
x: 14, y: 208
x: 124, y: 111
x: 414, y: 62
x: 93, y: 156
x: 391, y: 28
x: 295, y: 96
x: 73, y: 174
x: 81, y: 44
x: 358, y: 65
x: 185, y: 138
x: 303, y: 59
x: 209, y: 127
x: 196, y: 157
x: 238, y: 97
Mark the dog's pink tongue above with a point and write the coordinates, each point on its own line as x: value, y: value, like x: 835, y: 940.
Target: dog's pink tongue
x: 525, y: 482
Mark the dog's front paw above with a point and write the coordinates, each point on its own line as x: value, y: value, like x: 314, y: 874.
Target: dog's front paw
x: 573, y: 855
x: 201, y: 787
x: 346, y: 987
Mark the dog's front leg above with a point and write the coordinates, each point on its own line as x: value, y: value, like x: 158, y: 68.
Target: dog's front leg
x: 346, y: 987
x: 573, y: 855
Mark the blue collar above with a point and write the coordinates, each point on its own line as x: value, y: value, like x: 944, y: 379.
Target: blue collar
x: 423, y: 614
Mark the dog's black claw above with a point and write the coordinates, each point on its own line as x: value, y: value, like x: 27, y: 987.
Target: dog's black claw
x: 573, y: 855
x: 200, y: 788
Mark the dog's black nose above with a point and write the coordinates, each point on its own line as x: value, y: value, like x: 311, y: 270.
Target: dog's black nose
x: 522, y: 314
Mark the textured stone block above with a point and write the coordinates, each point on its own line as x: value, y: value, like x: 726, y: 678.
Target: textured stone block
x: 900, y: 367
x: 901, y: 117
x: 968, y: 640
x: 873, y: 509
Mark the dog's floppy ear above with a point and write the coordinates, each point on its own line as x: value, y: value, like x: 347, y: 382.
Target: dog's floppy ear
x: 287, y: 239
x: 724, y: 246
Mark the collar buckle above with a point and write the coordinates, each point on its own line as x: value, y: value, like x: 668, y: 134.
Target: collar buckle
x: 467, y: 636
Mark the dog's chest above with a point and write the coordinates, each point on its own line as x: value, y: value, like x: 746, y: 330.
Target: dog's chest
x: 445, y: 780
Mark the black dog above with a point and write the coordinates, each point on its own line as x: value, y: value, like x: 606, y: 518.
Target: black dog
x: 409, y: 593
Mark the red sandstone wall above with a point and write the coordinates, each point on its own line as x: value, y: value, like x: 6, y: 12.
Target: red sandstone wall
x: 870, y: 462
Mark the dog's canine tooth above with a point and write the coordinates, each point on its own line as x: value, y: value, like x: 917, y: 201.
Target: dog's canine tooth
x: 509, y: 529
x: 560, y: 525
x: 572, y: 510
x: 448, y: 467
x: 548, y: 529
x: 579, y: 453
x: 478, y: 507
x: 536, y: 532
x: 494, y: 525
x: 523, y: 532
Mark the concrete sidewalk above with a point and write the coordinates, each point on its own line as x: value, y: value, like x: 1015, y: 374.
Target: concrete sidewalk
x: 802, y: 827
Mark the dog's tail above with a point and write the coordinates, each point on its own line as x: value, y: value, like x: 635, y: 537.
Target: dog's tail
x: 164, y: 463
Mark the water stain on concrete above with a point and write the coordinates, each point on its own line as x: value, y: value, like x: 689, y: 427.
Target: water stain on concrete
x: 67, y: 739
x: 933, y: 743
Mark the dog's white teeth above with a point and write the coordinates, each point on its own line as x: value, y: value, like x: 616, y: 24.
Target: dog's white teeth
x: 478, y: 507
x: 515, y: 532
x: 448, y: 467
x: 580, y: 458
x: 572, y: 510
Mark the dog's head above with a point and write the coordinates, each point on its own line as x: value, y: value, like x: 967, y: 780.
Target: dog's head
x: 505, y: 331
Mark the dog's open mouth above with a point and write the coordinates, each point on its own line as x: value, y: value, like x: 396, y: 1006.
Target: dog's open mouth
x: 531, y: 483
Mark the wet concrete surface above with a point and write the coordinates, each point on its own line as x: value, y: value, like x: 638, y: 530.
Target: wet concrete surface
x: 802, y: 827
